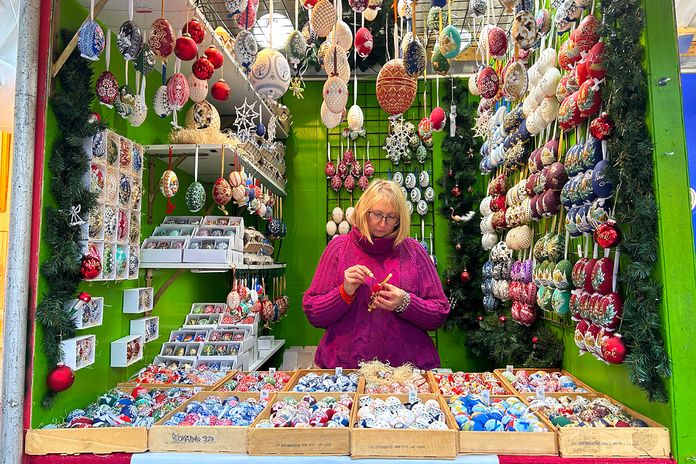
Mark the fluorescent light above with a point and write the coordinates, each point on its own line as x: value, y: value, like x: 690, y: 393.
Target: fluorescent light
x: 282, y: 27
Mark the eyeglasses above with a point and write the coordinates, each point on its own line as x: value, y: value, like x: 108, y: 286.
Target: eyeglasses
x: 377, y: 218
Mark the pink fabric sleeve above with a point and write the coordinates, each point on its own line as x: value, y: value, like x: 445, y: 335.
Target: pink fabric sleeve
x: 429, y: 306
x: 322, y: 302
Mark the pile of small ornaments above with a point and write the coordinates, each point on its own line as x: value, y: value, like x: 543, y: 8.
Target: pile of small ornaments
x: 243, y: 303
x: 580, y: 411
x: 309, y: 411
x: 474, y: 413
x: 340, y: 223
x: 139, y: 407
x: 336, y: 382
x: 416, y: 189
x: 551, y: 274
x: 391, y: 413
x: 160, y: 374
x: 548, y: 382
x: 257, y: 381
x: 496, y: 273
x: 462, y: 383
x: 348, y: 172
x: 216, y: 411
x: 405, y: 141
x: 383, y: 379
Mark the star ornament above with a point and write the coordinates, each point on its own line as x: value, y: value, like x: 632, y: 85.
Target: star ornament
x: 483, y: 125
x: 245, y: 123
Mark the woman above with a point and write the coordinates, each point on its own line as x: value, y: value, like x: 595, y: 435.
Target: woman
x: 394, y: 328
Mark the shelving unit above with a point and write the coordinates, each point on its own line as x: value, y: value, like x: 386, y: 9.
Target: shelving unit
x: 265, y: 355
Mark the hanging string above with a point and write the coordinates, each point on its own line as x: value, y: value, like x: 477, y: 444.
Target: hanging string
x: 395, y: 31
x: 449, y: 12
x: 297, y: 21
x: 355, y: 61
x: 195, y: 165
x: 270, y: 21
x: 91, y: 10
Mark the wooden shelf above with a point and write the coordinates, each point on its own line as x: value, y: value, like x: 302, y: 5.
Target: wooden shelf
x: 265, y: 355
x: 212, y: 267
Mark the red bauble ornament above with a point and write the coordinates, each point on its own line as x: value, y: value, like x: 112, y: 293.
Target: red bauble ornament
x: 137, y: 391
x: 456, y: 191
x: 448, y: 281
x: 502, y: 319
x: 535, y: 339
x: 465, y: 276
x: 437, y: 119
x: 91, y: 266
x: 185, y: 48
x: 613, y: 349
x: 60, y: 378
x: 84, y: 296
x: 215, y: 56
x: 220, y: 90
x: 195, y: 29
x: 602, y: 127
x: 458, y: 247
x: 94, y: 118
x: 608, y: 234
x: 479, y: 318
x: 309, y: 4
x: 202, y: 68
x: 450, y: 173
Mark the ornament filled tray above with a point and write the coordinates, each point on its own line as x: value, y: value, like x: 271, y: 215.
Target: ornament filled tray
x: 273, y: 381
x: 325, y: 381
x: 550, y: 381
x: 161, y: 376
x: 461, y: 383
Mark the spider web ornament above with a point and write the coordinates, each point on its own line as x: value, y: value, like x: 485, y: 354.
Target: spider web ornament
x: 245, y: 121
x: 482, y: 127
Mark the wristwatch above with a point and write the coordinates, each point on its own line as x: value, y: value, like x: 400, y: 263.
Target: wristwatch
x: 404, y: 304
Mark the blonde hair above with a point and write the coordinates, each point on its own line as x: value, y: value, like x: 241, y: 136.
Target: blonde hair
x: 389, y: 191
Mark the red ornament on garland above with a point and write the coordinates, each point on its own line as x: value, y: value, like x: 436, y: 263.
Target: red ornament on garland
x: 502, y: 319
x: 85, y: 297
x: 465, y: 276
x: 608, y: 234
x: 220, y: 90
x: 450, y: 173
x: 458, y: 247
x: 456, y: 191
x: 91, y: 266
x: 479, y: 318
x: 602, y: 127
x: 448, y: 282
x: 613, y: 349
x: 60, y: 378
x: 195, y: 29
x: 185, y: 48
x: 202, y: 68
x: 535, y: 339
x: 94, y: 118
x: 215, y: 56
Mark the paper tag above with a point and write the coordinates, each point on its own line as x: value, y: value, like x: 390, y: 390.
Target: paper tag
x: 540, y: 393
x: 412, y: 395
x: 339, y: 371
x: 264, y: 395
x: 272, y: 370
x: 486, y: 396
x: 510, y: 368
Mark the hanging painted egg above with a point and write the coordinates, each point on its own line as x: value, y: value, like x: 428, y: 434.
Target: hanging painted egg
x: 160, y: 102
x: 335, y: 94
x: 440, y: 63
x: 414, y: 59
x: 395, y: 89
x: 139, y: 113
x: 543, y: 21
x: 358, y: 5
x: 198, y: 89
x: 525, y: 31
x: 222, y: 193
x: 478, y: 7
x: 595, y: 61
x: 368, y: 169
x: 296, y: 48
x: 568, y: 113
x: 329, y: 118
x: 145, y: 61
x: 363, y: 42
x: 125, y: 102
x: 587, y: 33
x: 247, y: 19
x: 90, y: 40
x: 195, y: 197
x: 245, y: 48
x: 355, y: 118
x: 201, y: 115
x: 370, y: 13
x: 161, y: 40
x: 177, y: 91
x: 341, y: 35
x: 515, y: 82
x: 129, y: 40
x: 215, y: 56
x: 323, y: 18
x: 497, y: 42
x: 336, y: 54
x: 106, y: 88
x: 589, y: 98
x: 450, y: 41
x: 432, y: 22
x: 235, y: 7
x: 270, y: 74
x: 202, y: 68
x: 349, y: 183
x: 195, y: 29
x: 488, y: 82
x: 437, y: 119
x: 169, y: 183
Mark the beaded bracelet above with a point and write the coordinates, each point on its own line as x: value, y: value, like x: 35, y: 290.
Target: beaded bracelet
x: 404, y: 304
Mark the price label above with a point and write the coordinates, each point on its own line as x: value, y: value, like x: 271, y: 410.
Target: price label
x: 540, y: 393
x: 509, y: 368
x: 272, y: 370
x: 339, y: 371
x: 264, y: 395
x: 412, y: 395
x: 486, y: 396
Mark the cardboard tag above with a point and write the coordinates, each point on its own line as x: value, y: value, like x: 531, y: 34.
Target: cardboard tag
x: 272, y: 370
x: 540, y: 393
x: 339, y: 371
x: 412, y: 395
x: 510, y: 368
x: 264, y: 395
x: 486, y: 396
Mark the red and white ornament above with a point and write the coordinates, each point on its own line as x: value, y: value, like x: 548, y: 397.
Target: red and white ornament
x: 363, y: 42
x: 395, y: 89
x: 195, y: 29
x: 202, y: 68
x: 437, y: 119
x: 222, y: 193
x: 162, y: 39
x: 198, y: 89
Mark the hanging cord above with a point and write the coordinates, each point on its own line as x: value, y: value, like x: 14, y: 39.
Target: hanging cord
x: 355, y: 61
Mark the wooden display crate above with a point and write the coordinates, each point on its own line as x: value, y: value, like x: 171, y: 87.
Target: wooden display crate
x: 435, y: 386
x: 174, y: 438
x: 407, y: 443
x: 89, y: 440
x: 299, y: 373
x: 608, y: 442
x: 509, y: 443
x: 580, y: 383
x: 310, y: 441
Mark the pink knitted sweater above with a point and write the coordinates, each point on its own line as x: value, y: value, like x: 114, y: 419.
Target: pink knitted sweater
x: 352, y: 332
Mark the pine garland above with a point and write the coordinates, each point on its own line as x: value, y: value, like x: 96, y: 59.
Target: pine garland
x: 68, y: 165
x: 626, y: 99
x: 501, y: 341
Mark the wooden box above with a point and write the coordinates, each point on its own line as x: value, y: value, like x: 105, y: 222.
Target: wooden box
x: 138, y: 300
x: 580, y: 383
x: 205, y: 439
x: 302, y: 372
x: 408, y: 443
x: 91, y: 440
x: 286, y: 387
x: 310, y: 441
x: 435, y: 386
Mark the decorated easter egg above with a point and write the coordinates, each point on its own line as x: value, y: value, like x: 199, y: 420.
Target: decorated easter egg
x: 161, y: 39
x: 270, y: 73
x: 395, y: 89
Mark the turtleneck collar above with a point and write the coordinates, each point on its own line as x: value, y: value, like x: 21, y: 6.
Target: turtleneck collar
x: 378, y: 245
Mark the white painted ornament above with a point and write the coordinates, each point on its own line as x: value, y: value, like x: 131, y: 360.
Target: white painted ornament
x: 338, y: 55
x: 337, y: 215
x: 323, y: 18
x: 160, y: 102
x: 329, y: 118
x: 342, y: 36
x: 343, y: 228
x: 349, y: 213
x: 370, y: 14
x: 139, y: 113
x: 331, y: 228
x: 355, y: 118
x: 198, y: 89
x: 335, y: 94
x: 245, y: 49
x: 270, y: 74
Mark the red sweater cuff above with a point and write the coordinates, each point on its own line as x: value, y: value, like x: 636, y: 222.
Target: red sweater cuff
x: 345, y: 296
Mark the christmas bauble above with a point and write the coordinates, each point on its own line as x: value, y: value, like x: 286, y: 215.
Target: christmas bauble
x: 185, y: 48
x: 129, y: 40
x: 465, y: 276
x: 195, y: 197
x: 245, y: 48
x: 202, y: 68
x: 329, y: 118
x: 195, y: 29
x: 222, y: 193
x: 236, y: 7
x: 335, y: 93
x: 608, y: 235
x: 215, y: 56
x: 90, y: 40
x: 202, y: 115
x: 145, y: 61
x: 90, y: 267
x: 613, y: 349
x: 60, y: 378
x: 355, y: 118
x: 602, y: 127
x: 161, y: 40
x: 395, y: 89
x: 270, y: 74
x: 198, y: 89
x: 414, y: 59
x: 363, y: 42
x: 220, y: 90
x: 106, y: 88
x: 439, y: 62
x: 295, y: 48
x: 323, y: 18
x: 450, y: 40
x: 160, y: 102
x: 177, y: 91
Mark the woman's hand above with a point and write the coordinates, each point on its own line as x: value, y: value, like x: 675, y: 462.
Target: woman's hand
x: 389, y: 298
x: 354, y: 277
